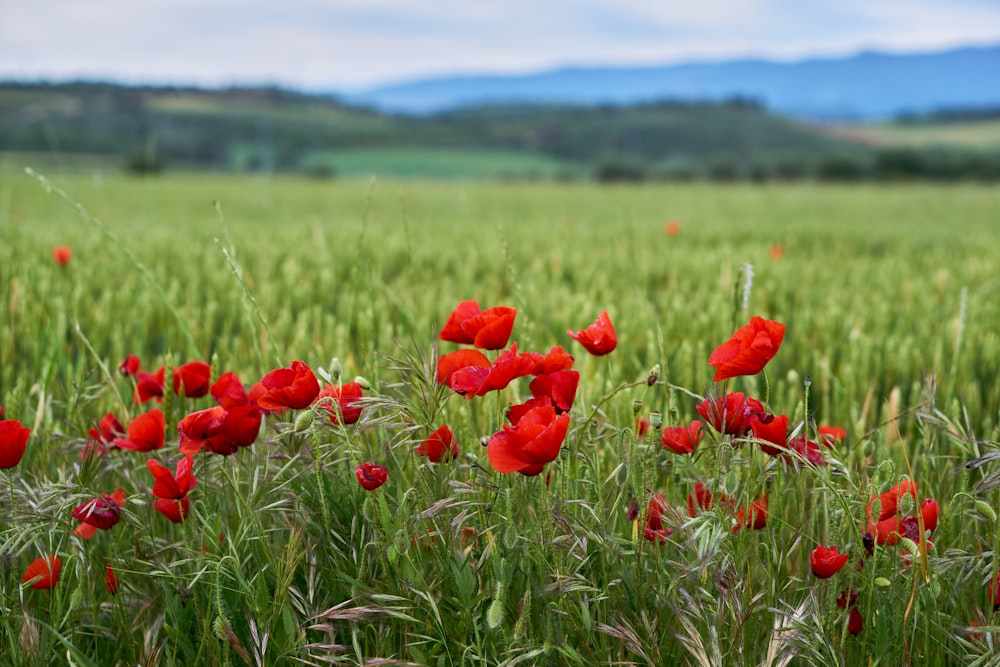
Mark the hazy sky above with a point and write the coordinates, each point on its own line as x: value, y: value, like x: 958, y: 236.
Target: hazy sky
x: 352, y: 44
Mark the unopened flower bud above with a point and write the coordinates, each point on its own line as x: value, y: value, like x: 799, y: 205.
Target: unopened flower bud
x: 882, y: 581
x: 909, y: 545
x: 986, y: 510
x: 335, y: 368
x: 654, y: 375
x: 483, y: 441
x: 636, y: 406
x: 304, y: 421
x: 363, y: 383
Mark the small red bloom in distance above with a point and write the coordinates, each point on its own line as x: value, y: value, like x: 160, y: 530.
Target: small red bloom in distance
x: 439, y: 445
x: 826, y: 562
x: 149, y: 385
x: 103, y: 435
x: 292, y: 387
x: 43, y: 573
x: 371, y: 476
x: 487, y: 330
x: 682, y: 439
x: 534, y: 441
x: 672, y: 228
x: 855, y: 624
x: 145, y: 433
x: 701, y: 498
x: 193, y: 378
x: 731, y: 414
x: 62, y: 254
x: 831, y: 435
x: 111, y: 581
x: 345, y: 407
x: 599, y: 338
x: 129, y: 365
x: 749, y: 349
x: 654, y: 530
x: 13, y: 442
x: 754, y: 516
x: 777, y: 251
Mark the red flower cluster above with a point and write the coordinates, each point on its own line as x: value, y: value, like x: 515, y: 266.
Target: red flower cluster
x: 732, y: 414
x: 888, y: 526
x: 599, y: 338
x: 848, y: 598
x: 533, y: 439
x: 748, y: 350
x: 171, y: 490
x: 488, y: 330
x: 103, y: 436
x: 13, y: 442
x: 191, y: 379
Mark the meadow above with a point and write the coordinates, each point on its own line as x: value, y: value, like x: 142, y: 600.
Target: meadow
x: 888, y: 295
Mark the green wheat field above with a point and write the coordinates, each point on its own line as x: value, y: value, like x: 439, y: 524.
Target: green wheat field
x: 890, y: 296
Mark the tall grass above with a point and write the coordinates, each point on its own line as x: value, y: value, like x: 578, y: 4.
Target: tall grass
x: 889, y: 299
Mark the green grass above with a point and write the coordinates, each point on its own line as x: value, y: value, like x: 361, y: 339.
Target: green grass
x: 889, y: 296
x: 440, y: 163
x: 975, y: 134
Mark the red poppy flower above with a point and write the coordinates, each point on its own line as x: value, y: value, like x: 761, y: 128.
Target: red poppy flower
x: 175, y: 510
x: 86, y: 530
x: 749, y: 349
x: 62, y: 254
x: 145, y: 433
x: 559, y: 386
x: 672, y: 228
x: 516, y: 412
x: 808, y: 450
x: 149, y: 385
x: 229, y: 391
x: 103, y: 435
x: 654, y: 530
x: 292, y: 387
x: 702, y: 499
x: 754, y: 516
x: 831, y: 435
x: 346, y: 399
x: 771, y: 429
x: 641, y: 426
x: 682, y: 439
x: 448, y: 364
x: 777, y: 251
x: 995, y: 590
x: 731, y: 414
x: 929, y: 510
x: 13, y: 442
x: 530, y: 444
x: 440, y: 444
x: 855, y: 623
x: 480, y: 381
x: 1, y: 412
x: 172, y: 485
x: 193, y: 378
x: 129, y: 365
x: 557, y: 359
x: 102, y: 512
x: 111, y: 581
x: 43, y: 573
x: 826, y: 562
x: 219, y: 430
x: 371, y: 476
x: 487, y: 330
x: 599, y: 338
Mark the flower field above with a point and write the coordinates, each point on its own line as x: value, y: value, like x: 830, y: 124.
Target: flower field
x: 286, y: 422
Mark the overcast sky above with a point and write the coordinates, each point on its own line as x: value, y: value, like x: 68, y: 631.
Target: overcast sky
x: 354, y: 44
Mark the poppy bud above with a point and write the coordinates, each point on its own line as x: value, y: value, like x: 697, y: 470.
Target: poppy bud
x: 362, y: 382
x: 335, y: 367
x: 304, y: 421
x: 986, y: 510
x: 909, y: 545
x: 882, y: 581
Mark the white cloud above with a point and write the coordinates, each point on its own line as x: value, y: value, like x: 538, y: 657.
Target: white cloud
x: 353, y: 43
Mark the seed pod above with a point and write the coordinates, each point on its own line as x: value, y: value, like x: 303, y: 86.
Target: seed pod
x: 985, y: 510
x: 304, y: 421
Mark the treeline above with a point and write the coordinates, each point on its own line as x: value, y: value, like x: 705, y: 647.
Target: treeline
x: 145, y: 130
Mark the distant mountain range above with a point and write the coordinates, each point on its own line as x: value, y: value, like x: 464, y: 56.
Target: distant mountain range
x: 865, y: 86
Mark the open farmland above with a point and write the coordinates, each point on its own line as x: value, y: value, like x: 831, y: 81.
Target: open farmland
x: 889, y: 296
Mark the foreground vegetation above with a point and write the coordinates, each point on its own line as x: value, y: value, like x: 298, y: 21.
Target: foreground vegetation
x: 889, y: 305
